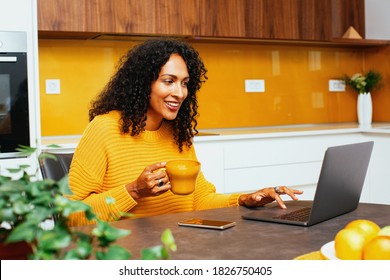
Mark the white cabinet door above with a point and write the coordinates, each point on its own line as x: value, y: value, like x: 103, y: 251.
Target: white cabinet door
x: 378, y: 171
x: 292, y: 161
x: 245, y: 165
x: 210, y: 155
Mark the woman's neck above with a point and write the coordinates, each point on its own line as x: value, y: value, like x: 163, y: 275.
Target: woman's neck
x: 152, y: 125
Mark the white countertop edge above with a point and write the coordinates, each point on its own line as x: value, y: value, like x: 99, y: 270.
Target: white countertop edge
x: 258, y: 135
x: 293, y: 131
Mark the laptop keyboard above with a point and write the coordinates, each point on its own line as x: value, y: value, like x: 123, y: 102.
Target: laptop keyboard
x: 300, y: 215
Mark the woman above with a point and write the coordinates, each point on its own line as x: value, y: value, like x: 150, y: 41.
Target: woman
x: 146, y: 116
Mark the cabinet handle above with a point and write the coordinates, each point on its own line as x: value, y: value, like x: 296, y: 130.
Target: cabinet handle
x: 8, y: 58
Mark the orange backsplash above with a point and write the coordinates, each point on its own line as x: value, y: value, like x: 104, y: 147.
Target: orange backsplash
x: 296, y: 83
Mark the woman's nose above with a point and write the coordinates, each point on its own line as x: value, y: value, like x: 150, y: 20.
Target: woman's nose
x: 178, y: 90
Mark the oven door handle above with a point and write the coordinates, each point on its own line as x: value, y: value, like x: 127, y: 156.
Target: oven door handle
x: 8, y: 59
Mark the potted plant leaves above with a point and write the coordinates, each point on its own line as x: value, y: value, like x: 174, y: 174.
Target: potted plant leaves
x: 34, y: 214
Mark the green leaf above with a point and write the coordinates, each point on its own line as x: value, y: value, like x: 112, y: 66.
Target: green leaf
x: 63, y: 186
x: 90, y: 214
x: 73, y: 206
x: 52, y: 240
x: 39, y: 214
x: 110, y: 200
x: 23, y: 148
x: 12, y: 187
x: 14, y: 170
x: 161, y: 251
x: 20, y: 207
x: 114, y: 252
x: 47, y: 155
x: 107, y: 233
x: 81, y: 252
x: 153, y: 253
x: 168, y: 240
x: 4, y: 179
x: 7, y: 214
x: 54, y: 146
x: 25, y: 231
x: 72, y: 255
x: 61, y: 201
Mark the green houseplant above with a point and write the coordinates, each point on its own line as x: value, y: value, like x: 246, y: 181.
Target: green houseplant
x: 28, y: 206
x: 364, y: 83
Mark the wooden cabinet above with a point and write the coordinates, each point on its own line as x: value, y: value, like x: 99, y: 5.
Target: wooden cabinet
x: 281, y: 19
x: 171, y: 17
x: 222, y: 18
x: 270, y: 19
x: 348, y: 13
x: 317, y: 20
x: 61, y: 15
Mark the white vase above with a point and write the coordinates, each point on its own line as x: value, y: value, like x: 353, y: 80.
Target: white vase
x: 364, y: 109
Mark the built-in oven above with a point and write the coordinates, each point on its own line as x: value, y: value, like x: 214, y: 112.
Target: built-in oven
x: 14, y: 112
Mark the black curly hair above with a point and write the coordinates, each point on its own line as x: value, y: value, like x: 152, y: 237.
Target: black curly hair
x: 129, y: 89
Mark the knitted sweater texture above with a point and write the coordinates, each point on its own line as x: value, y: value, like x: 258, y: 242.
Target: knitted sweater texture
x: 106, y: 160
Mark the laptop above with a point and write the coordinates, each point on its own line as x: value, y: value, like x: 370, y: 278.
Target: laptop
x: 338, y: 189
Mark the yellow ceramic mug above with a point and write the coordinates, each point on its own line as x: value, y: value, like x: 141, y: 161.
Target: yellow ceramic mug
x: 182, y: 175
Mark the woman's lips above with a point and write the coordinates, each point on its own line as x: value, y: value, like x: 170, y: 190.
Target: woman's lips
x: 172, y: 105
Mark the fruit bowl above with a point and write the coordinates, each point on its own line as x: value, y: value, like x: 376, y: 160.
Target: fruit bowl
x: 328, y: 251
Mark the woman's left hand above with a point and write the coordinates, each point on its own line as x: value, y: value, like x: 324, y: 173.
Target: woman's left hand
x: 268, y: 195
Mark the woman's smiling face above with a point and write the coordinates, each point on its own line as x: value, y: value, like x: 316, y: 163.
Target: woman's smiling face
x: 167, y: 92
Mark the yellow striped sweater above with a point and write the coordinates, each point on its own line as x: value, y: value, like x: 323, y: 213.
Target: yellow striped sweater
x: 106, y: 160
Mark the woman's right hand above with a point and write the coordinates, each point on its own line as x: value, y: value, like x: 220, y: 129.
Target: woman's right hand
x: 152, y: 181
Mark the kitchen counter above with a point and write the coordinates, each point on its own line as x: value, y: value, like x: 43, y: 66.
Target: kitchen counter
x: 205, y: 135
x: 295, y: 130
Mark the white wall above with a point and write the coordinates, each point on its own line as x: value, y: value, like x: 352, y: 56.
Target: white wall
x: 377, y: 13
x: 21, y: 15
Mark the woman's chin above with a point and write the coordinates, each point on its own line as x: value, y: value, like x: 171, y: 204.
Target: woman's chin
x: 170, y: 117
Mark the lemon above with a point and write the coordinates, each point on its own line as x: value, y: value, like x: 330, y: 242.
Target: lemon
x: 370, y: 228
x: 377, y: 248
x: 349, y: 243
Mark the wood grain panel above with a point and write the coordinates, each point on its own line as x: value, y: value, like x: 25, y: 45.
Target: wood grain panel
x: 322, y: 20
x: 281, y: 19
x: 310, y: 20
x: 254, y: 19
x: 171, y: 17
x: 61, y: 15
x: 269, y: 19
x: 348, y: 13
x: 223, y: 18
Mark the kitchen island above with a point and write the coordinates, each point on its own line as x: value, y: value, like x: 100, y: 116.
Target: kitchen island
x: 248, y: 240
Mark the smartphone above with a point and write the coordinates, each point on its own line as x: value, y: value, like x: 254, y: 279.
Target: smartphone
x: 210, y: 224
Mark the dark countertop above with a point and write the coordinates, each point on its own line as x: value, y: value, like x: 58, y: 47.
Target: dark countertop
x: 248, y: 240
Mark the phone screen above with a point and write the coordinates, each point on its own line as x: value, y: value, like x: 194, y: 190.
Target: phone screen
x: 212, y: 224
